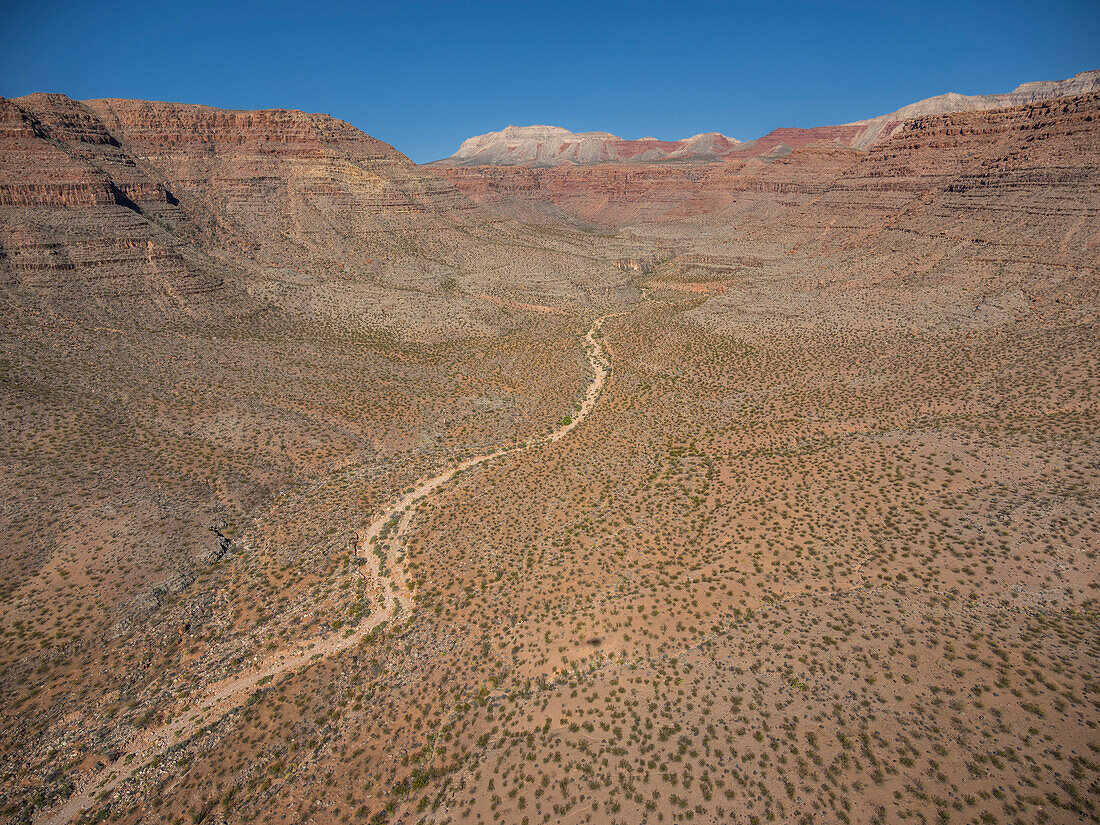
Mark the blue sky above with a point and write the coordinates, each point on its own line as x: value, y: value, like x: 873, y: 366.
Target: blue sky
x: 425, y: 75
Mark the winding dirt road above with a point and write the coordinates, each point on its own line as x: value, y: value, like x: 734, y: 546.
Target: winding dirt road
x: 229, y: 694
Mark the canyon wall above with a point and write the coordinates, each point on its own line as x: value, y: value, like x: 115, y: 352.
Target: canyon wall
x: 959, y: 219
x: 133, y: 211
x: 616, y: 195
x: 85, y: 227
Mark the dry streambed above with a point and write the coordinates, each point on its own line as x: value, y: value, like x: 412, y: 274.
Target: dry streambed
x: 223, y: 697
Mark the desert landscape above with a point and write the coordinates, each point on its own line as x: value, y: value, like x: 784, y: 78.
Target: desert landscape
x: 567, y: 479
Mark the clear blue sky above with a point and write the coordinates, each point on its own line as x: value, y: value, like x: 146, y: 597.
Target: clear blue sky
x: 425, y: 75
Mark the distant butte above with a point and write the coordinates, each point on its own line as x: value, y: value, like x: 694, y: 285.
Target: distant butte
x: 599, y: 179
x: 538, y: 146
x: 555, y: 146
